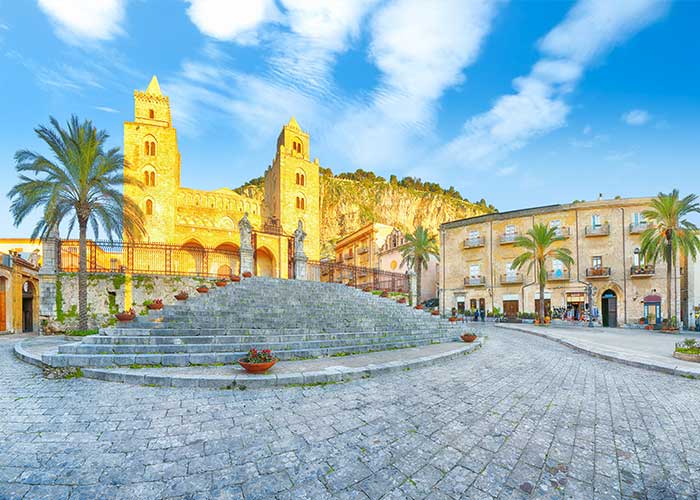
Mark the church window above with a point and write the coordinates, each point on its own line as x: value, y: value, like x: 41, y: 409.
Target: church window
x: 146, y: 178
x: 151, y: 114
x: 153, y: 148
x: 150, y: 148
x: 153, y: 178
x: 149, y: 207
x: 301, y: 179
x: 300, y: 203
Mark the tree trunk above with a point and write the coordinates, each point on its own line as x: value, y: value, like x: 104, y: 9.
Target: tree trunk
x: 669, y: 280
x: 541, y: 303
x: 82, y: 277
x: 419, y: 270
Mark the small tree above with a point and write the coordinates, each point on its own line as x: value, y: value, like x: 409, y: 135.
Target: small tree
x: 80, y: 183
x: 417, y: 250
x: 539, y: 247
x: 670, y: 233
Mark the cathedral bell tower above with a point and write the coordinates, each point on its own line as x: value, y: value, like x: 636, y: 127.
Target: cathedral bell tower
x: 292, y: 187
x: 152, y: 159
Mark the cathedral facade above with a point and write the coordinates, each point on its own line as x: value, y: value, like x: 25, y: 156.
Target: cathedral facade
x: 195, y: 219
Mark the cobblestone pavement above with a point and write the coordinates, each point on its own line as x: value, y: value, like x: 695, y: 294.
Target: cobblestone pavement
x: 522, y: 417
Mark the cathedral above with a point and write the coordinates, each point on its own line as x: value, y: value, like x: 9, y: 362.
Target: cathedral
x: 193, y: 219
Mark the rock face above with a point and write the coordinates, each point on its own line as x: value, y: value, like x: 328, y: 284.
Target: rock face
x: 347, y: 205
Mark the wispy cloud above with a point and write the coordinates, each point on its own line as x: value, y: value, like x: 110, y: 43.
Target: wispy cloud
x: 636, y: 117
x: 106, y: 109
x: 538, y: 106
x: 79, y: 21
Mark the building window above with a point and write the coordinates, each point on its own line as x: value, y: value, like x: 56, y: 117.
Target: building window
x: 151, y: 114
x: 597, y: 262
x: 300, y: 203
x: 150, y: 148
x: 301, y: 180
x: 149, y: 207
x: 595, y: 220
x: 146, y: 179
x: 153, y: 178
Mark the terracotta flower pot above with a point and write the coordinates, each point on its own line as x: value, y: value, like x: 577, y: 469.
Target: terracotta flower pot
x: 203, y: 289
x: 435, y: 313
x: 256, y: 367
x: 155, y: 307
x: 402, y: 300
x: 384, y: 294
x: 182, y: 296
x: 221, y: 283
x: 453, y: 319
x: 235, y: 278
x: 366, y: 289
x: 124, y: 317
x: 468, y: 337
x: 247, y: 274
x: 419, y: 307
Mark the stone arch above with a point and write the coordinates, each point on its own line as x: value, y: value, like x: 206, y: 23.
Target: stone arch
x: 149, y: 144
x: 226, y: 254
x: 148, y: 175
x: 29, y: 296
x: 192, y: 258
x: 604, y: 287
x: 300, y: 177
x: 264, y: 262
x: 300, y: 202
x: 149, y: 206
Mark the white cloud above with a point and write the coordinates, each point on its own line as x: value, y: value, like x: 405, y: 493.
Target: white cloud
x: 77, y: 21
x: 636, y: 117
x: 227, y: 20
x: 106, y: 109
x: 590, y: 29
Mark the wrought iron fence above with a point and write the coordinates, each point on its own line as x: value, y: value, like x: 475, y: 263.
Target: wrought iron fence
x: 359, y: 277
x: 150, y: 258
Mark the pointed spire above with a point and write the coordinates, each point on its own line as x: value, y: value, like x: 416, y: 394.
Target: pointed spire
x: 293, y: 123
x: 154, y: 87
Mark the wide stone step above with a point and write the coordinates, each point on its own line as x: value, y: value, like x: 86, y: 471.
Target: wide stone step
x: 185, y: 359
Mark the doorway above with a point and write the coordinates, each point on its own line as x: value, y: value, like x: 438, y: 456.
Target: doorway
x: 510, y: 309
x: 27, y: 307
x: 3, y: 298
x: 609, y: 308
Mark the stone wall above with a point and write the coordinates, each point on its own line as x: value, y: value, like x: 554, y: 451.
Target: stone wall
x: 111, y: 293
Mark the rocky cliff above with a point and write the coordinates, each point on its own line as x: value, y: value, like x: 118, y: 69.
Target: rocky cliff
x: 349, y: 201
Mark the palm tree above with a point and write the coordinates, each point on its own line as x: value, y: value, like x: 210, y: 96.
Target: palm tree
x: 417, y: 250
x: 670, y: 233
x: 538, y: 245
x: 81, y: 182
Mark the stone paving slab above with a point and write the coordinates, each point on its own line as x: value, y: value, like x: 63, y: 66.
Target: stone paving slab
x: 640, y: 348
x: 303, y: 372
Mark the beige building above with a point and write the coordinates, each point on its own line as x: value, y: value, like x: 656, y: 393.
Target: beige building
x: 604, y: 239
x: 389, y: 258
x: 19, y: 296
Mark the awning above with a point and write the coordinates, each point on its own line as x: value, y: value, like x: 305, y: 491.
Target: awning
x: 574, y: 297
x: 652, y: 298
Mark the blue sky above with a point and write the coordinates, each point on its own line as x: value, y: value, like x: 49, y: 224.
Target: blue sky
x: 520, y: 103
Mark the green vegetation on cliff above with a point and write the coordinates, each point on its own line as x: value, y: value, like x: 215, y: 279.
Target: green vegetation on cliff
x: 353, y: 199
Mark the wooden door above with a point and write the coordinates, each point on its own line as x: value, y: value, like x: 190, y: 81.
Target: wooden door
x: 3, y: 304
x: 510, y: 308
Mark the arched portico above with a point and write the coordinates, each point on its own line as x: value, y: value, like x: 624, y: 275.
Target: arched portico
x: 265, y: 262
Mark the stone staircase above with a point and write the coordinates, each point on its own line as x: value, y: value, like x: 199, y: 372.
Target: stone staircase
x: 296, y: 319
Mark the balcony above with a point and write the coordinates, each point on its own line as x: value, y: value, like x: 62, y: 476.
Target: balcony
x: 640, y: 227
x: 562, y: 232
x: 508, y: 238
x: 642, y: 271
x: 598, y: 272
x: 474, y: 242
x: 601, y: 230
x: 475, y: 281
x: 362, y: 250
x: 511, y: 279
x: 559, y: 275
x: 348, y: 256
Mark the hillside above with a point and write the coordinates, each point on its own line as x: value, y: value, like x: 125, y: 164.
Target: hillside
x: 351, y: 200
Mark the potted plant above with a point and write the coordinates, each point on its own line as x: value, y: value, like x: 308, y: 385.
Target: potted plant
x: 435, y: 312
x: 258, y: 361
x: 469, y: 336
x: 183, y: 295
x: 221, y: 282
x: 641, y: 321
x: 366, y: 289
x: 402, y: 300
x: 203, y: 288
x: 247, y: 274
x: 420, y: 307
x: 384, y: 294
x: 125, y: 316
x: 452, y: 319
x: 156, y: 305
x: 235, y: 278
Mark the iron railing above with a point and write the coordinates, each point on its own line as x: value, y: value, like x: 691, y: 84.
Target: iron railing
x: 600, y: 230
x: 508, y: 238
x: 642, y: 271
x: 474, y: 242
x: 475, y: 281
x: 330, y: 271
x: 559, y: 275
x: 640, y: 227
x: 598, y: 272
x: 511, y: 278
x: 151, y: 258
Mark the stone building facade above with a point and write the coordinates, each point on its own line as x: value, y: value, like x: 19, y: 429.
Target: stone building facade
x: 19, y: 294
x: 195, y: 219
x: 604, y: 239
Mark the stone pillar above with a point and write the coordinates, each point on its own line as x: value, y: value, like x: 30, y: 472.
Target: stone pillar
x: 48, y: 274
x: 300, y: 267
x: 412, y: 288
x: 246, y: 251
x: 300, y: 258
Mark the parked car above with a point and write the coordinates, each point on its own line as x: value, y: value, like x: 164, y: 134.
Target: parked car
x: 431, y: 303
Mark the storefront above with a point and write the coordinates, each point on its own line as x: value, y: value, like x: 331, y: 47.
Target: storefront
x: 575, y: 305
x: 652, y: 309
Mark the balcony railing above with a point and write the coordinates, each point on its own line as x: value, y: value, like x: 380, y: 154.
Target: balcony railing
x: 562, y: 232
x: 601, y: 230
x: 474, y: 242
x: 362, y: 250
x: 511, y: 279
x: 558, y: 275
x: 475, y: 281
x: 348, y: 256
x: 642, y: 271
x: 598, y: 272
x: 508, y: 238
x: 640, y: 227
